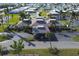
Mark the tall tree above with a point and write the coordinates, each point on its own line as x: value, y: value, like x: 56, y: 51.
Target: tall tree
x: 22, y: 15
x: 49, y: 35
x: 73, y: 17
x: 0, y: 49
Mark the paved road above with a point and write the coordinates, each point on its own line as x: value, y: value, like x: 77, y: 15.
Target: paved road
x: 66, y: 36
x: 40, y: 44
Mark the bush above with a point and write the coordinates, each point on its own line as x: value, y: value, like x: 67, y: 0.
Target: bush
x: 28, y: 29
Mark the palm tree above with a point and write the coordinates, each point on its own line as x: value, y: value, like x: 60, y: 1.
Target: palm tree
x: 49, y: 35
x: 53, y: 50
x: 73, y: 16
x: 17, y: 46
x: 0, y: 49
x: 22, y: 15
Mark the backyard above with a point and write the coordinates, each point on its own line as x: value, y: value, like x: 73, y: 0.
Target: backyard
x: 12, y: 21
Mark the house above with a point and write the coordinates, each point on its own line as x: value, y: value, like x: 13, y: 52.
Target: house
x: 40, y: 21
x: 23, y: 23
x: 54, y: 21
x: 27, y: 21
x: 39, y: 29
x: 54, y: 15
x: 32, y: 11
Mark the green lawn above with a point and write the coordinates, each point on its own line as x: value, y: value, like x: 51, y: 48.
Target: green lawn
x: 77, y: 28
x: 15, y: 19
x: 76, y: 38
x: 2, y: 27
x: 3, y: 38
x: 64, y: 22
x: 43, y: 13
x: 45, y: 52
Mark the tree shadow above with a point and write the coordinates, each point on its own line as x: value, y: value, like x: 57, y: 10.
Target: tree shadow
x: 25, y: 39
x: 45, y: 39
x: 64, y: 35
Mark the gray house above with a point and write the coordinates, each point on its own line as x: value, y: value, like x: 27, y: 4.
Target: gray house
x: 54, y: 15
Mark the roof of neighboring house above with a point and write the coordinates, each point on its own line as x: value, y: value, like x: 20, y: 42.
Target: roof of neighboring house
x: 40, y: 20
x: 2, y: 9
x: 39, y: 29
x: 31, y: 9
x: 18, y: 10
x: 52, y: 19
x: 25, y: 19
x: 40, y: 26
x: 53, y: 12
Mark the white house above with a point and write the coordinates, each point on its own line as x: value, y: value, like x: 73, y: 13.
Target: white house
x: 54, y: 15
x: 24, y: 22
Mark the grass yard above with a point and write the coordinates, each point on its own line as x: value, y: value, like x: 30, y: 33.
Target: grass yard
x: 77, y: 29
x: 76, y: 38
x: 3, y: 38
x: 14, y: 19
x: 64, y: 22
x: 44, y: 13
x: 45, y: 52
x: 2, y: 27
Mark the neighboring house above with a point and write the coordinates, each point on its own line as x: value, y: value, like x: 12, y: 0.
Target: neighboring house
x: 39, y: 29
x: 65, y: 15
x: 40, y: 26
x: 32, y: 11
x: 23, y: 23
x: 54, y: 15
x: 40, y: 21
x: 54, y: 21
